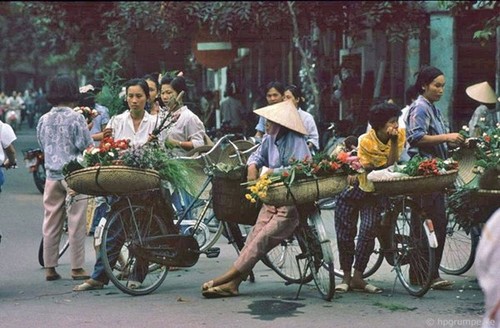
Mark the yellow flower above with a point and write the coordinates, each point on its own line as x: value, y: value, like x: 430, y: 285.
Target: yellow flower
x: 253, y: 200
x: 248, y: 196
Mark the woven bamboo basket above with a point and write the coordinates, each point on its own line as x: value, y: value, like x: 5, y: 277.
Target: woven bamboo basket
x: 112, y: 180
x: 305, y: 190
x: 415, y: 185
x: 229, y: 201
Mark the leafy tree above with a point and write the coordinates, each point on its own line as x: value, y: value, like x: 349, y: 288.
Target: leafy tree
x: 486, y: 28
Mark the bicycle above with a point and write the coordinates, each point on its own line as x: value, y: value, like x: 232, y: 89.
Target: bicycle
x: 143, y: 231
x: 305, y: 256
x: 403, y: 243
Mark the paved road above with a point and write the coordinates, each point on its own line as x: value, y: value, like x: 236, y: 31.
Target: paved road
x: 27, y: 300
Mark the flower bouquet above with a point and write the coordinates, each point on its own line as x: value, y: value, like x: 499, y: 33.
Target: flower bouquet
x: 87, y: 112
x: 305, y: 180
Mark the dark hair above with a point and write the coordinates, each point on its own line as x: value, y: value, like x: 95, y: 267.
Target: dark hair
x: 425, y: 76
x: 139, y: 82
x: 154, y: 78
x: 381, y: 113
x: 177, y: 83
x: 275, y: 84
x: 87, y: 99
x: 62, y: 89
x: 410, y: 94
x: 350, y: 141
x: 295, y: 90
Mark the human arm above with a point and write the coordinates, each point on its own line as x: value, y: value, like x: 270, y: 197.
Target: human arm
x: 10, y: 153
x: 374, y: 155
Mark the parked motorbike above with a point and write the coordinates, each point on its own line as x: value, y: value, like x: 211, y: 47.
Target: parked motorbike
x: 35, y: 162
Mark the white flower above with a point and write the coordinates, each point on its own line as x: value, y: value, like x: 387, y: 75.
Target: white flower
x: 86, y: 88
x: 94, y: 151
x: 111, y: 154
x: 465, y: 128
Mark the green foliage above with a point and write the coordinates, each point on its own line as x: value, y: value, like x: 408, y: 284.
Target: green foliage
x: 487, y: 27
x: 112, y: 86
x: 151, y: 156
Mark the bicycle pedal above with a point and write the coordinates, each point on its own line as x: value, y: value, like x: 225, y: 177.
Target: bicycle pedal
x: 212, y: 252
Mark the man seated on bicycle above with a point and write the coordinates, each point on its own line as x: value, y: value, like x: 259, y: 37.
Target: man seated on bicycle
x: 284, y: 140
x: 379, y: 148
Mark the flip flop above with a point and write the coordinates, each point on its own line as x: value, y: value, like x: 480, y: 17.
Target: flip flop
x: 369, y: 288
x: 89, y: 285
x: 441, y: 284
x: 342, y: 288
x: 216, y: 292
x: 207, y: 285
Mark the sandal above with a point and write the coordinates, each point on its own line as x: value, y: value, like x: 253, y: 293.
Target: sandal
x: 216, y: 292
x: 369, y: 288
x: 89, y: 284
x: 51, y: 274
x: 79, y: 274
x: 207, y: 285
x: 342, y: 288
x: 441, y: 284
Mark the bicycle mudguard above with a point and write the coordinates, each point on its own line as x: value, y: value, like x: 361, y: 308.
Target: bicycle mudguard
x: 170, y: 250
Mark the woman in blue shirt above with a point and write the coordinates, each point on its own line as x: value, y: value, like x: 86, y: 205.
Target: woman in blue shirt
x: 428, y: 136
x: 284, y: 140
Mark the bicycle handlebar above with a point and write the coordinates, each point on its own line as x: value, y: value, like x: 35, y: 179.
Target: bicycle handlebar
x: 217, y: 144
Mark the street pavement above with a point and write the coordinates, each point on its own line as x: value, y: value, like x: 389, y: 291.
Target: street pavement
x: 27, y: 300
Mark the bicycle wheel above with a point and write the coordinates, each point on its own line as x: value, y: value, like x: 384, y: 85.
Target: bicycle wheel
x: 208, y: 230
x: 459, y: 248
x: 327, y: 207
x: 284, y: 259
x: 64, y: 242
x: 125, y: 229
x: 413, y: 256
x: 320, y: 250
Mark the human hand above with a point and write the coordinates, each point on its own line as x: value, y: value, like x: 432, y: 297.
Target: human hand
x: 252, y: 173
x: 107, y: 132
x: 455, y: 139
x: 392, y: 132
x: 175, y: 103
x: 351, y: 179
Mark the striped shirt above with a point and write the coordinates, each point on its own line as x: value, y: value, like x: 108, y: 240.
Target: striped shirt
x: 425, y: 119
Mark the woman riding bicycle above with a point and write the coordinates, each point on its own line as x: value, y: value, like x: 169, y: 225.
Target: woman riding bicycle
x: 284, y: 140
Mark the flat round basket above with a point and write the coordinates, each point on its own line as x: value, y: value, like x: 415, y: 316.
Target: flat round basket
x: 415, y: 185
x: 112, y: 180
x: 466, y: 161
x: 305, y: 190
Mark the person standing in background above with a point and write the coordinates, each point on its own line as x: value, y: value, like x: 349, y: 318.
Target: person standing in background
x: 483, y: 117
x: 232, y: 109
x: 153, y: 106
x: 294, y: 94
x: 7, y: 150
x: 63, y: 134
x: 428, y: 137
x: 275, y: 93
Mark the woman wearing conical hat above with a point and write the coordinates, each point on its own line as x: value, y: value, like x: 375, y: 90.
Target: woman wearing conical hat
x: 284, y: 140
x: 483, y: 116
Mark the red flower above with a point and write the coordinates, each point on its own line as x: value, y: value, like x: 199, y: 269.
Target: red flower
x: 343, y: 156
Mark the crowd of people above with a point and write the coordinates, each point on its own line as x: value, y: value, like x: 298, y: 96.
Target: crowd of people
x: 284, y: 131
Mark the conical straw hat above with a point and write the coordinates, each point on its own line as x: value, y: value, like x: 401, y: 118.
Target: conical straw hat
x: 283, y: 113
x: 482, y: 92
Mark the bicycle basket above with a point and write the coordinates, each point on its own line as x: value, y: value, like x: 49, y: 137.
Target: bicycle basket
x: 229, y: 201
x: 112, y: 180
x: 305, y: 190
x: 415, y: 184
